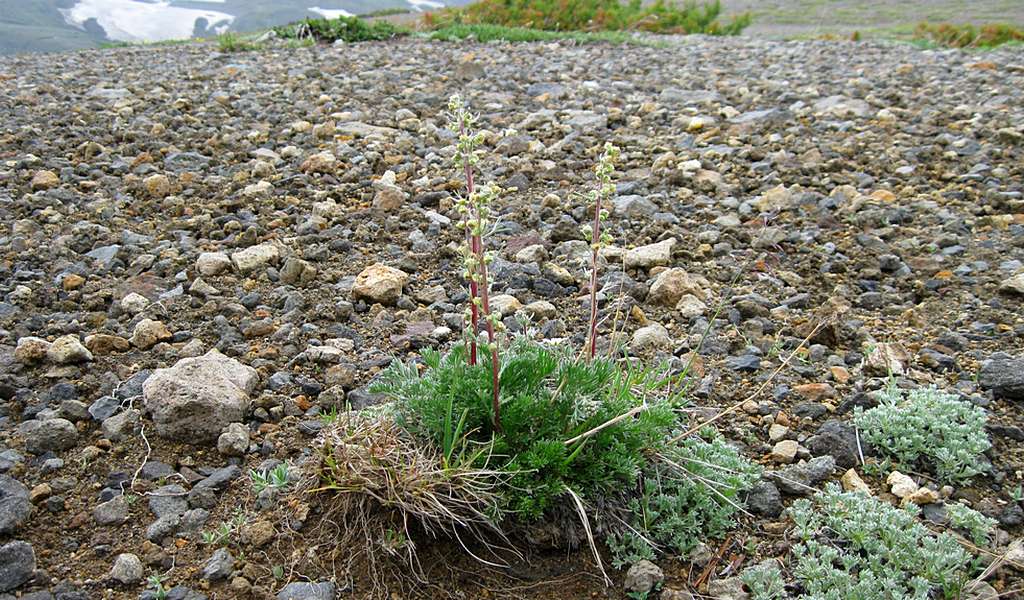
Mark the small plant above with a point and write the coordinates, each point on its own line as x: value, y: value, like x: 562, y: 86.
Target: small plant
x: 276, y: 478
x: 594, y: 236
x: 1017, y: 494
x: 978, y: 527
x: 764, y: 582
x: 927, y: 427
x: 330, y: 417
x: 689, y: 492
x: 345, y: 29
x: 855, y: 547
x: 155, y: 584
x: 232, y: 42
x: 226, y: 531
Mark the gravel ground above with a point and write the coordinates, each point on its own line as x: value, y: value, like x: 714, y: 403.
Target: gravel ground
x: 175, y: 204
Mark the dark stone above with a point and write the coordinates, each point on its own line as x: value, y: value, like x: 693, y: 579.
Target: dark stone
x: 835, y: 439
x: 1004, y: 376
x: 17, y: 562
x: 764, y: 499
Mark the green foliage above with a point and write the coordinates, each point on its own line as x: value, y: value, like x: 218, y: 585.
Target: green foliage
x: 276, y: 478
x: 764, y: 582
x: 855, y: 547
x: 978, y: 527
x: 232, y: 42
x: 346, y: 29
x: 689, y: 492
x: 155, y: 584
x: 547, y: 399
x: 969, y: 36
x: 226, y: 531
x: 660, y: 16
x: 488, y: 33
x: 928, y: 427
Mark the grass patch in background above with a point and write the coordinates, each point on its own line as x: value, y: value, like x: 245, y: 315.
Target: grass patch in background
x: 232, y: 42
x: 489, y: 33
x: 950, y: 35
x: 346, y: 29
x: 660, y: 16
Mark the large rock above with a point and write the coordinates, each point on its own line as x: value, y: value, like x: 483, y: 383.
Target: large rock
x: 17, y: 562
x: 14, y: 504
x: 50, y: 435
x: 671, y: 285
x: 379, y: 283
x: 307, y: 590
x: 1004, y: 375
x: 801, y: 479
x: 254, y: 257
x: 194, y: 400
x: 651, y: 255
x: 67, y: 350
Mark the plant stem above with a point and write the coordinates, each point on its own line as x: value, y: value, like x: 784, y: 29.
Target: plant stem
x: 485, y: 305
x: 473, y: 288
x: 593, y: 277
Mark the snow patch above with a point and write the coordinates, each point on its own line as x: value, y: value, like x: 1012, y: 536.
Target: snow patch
x: 136, y: 21
x: 330, y: 13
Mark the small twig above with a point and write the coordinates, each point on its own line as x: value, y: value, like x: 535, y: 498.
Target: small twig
x: 631, y: 412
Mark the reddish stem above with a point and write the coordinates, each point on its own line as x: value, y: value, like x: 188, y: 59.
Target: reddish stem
x: 473, y: 287
x: 595, y: 237
x: 486, y: 306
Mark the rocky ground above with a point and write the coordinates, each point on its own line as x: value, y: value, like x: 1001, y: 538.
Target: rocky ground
x: 201, y: 253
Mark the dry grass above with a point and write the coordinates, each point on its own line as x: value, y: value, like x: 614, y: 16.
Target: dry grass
x: 378, y: 490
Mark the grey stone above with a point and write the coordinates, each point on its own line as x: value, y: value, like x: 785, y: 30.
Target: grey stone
x: 15, y: 507
x: 127, y: 569
x: 111, y: 512
x: 800, y: 479
x: 168, y: 500
x: 306, y: 590
x: 163, y: 527
x: 835, y: 439
x: 122, y: 426
x: 49, y: 435
x: 642, y: 577
x: 764, y: 499
x: 219, y: 566
x: 17, y: 562
x: 1003, y: 375
x: 195, y: 399
x: 234, y: 441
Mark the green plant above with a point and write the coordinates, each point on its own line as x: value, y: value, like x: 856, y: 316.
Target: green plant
x: 928, y: 427
x: 978, y: 527
x: 969, y: 36
x: 764, y: 582
x: 329, y: 417
x: 855, y: 547
x: 346, y: 29
x: 483, y: 32
x: 276, y: 478
x: 660, y: 16
x: 225, y: 532
x: 232, y: 42
x: 155, y: 584
x: 1017, y: 494
x: 690, y: 491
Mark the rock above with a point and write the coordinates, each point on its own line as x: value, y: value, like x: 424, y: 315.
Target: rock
x: 535, y: 253
x: 815, y: 392
x: 800, y: 479
x: 764, y: 499
x: 650, y: 338
x: 212, y: 263
x: 643, y: 577
x: 652, y: 255
x: 777, y: 432
x: 45, y: 180
x: 1003, y: 375
x: 853, y: 483
x: 111, y: 512
x: 17, y: 563
x: 67, y: 350
x: 887, y: 359
x: 922, y: 496
x: 901, y: 485
x: 102, y: 344
x: 50, y: 435
x: 836, y: 439
x: 31, y: 350
x: 122, y: 426
x: 148, y: 333
x: 15, y: 506
x: 157, y: 186
x: 297, y: 271
x: 841, y: 106
x: 380, y: 284
x: 258, y: 533
x: 163, y: 527
x: 690, y: 306
x: 255, y: 257
x: 1013, y: 285
x: 219, y: 566
x: 979, y: 590
x: 785, y: 451
x: 730, y: 588
x: 127, y: 569
x: 307, y: 590
x: 389, y: 198
x: 195, y: 399
x: 322, y: 162
x: 505, y: 305
x: 539, y: 310
x: 234, y: 441
x: 671, y: 285
x: 168, y: 500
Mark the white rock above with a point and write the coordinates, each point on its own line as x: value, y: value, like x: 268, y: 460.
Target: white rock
x: 127, y: 569
x: 379, y: 283
x: 212, y: 263
x: 254, y: 257
x: 67, y: 350
x: 505, y: 304
x: 134, y: 303
x: 901, y: 485
x: 651, y: 337
x: 652, y: 255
